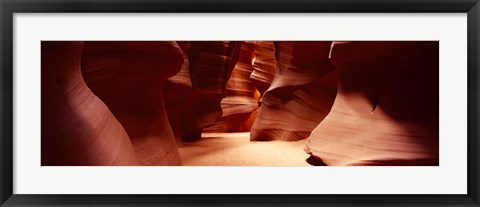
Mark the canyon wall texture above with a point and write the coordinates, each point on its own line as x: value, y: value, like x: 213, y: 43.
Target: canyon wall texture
x: 211, y: 64
x: 300, y: 95
x: 264, y: 65
x: 77, y: 127
x: 240, y: 101
x: 386, y: 109
x: 178, y: 94
x: 129, y: 77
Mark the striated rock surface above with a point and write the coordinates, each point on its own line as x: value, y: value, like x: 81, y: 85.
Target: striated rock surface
x: 240, y: 102
x: 178, y: 94
x: 77, y: 127
x: 211, y: 64
x: 301, y: 94
x: 264, y: 65
x: 386, y: 110
x: 129, y: 77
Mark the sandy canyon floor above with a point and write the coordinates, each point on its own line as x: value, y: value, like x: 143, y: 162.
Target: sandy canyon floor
x: 235, y: 149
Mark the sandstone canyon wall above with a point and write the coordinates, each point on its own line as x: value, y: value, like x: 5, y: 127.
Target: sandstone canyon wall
x: 211, y: 64
x: 386, y: 109
x: 178, y: 94
x: 264, y: 65
x: 77, y: 127
x: 240, y: 101
x: 129, y: 77
x: 300, y: 95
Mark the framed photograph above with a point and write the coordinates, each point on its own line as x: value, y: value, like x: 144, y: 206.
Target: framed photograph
x: 239, y: 103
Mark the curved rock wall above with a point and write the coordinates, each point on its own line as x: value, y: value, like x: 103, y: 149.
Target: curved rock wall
x: 129, y: 77
x: 386, y: 110
x: 178, y: 94
x: 77, y: 127
x: 300, y: 95
x: 211, y: 64
x: 240, y: 102
x: 264, y: 65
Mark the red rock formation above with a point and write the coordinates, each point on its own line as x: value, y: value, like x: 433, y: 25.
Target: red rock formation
x: 211, y: 64
x: 386, y: 110
x: 240, y: 102
x: 129, y: 77
x: 264, y: 65
x: 77, y: 127
x: 178, y: 94
x: 300, y: 95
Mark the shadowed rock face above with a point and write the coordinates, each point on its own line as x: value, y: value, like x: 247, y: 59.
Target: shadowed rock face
x: 264, y: 65
x: 300, y: 95
x: 178, y: 94
x: 77, y: 127
x: 129, y: 77
x: 386, y: 110
x: 240, y: 102
x: 211, y: 64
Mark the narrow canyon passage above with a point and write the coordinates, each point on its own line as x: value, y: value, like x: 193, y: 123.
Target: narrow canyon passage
x: 240, y: 103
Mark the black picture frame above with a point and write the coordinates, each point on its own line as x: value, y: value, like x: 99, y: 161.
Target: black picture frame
x: 9, y: 7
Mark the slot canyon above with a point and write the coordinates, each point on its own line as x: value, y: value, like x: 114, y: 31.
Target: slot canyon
x: 240, y: 103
